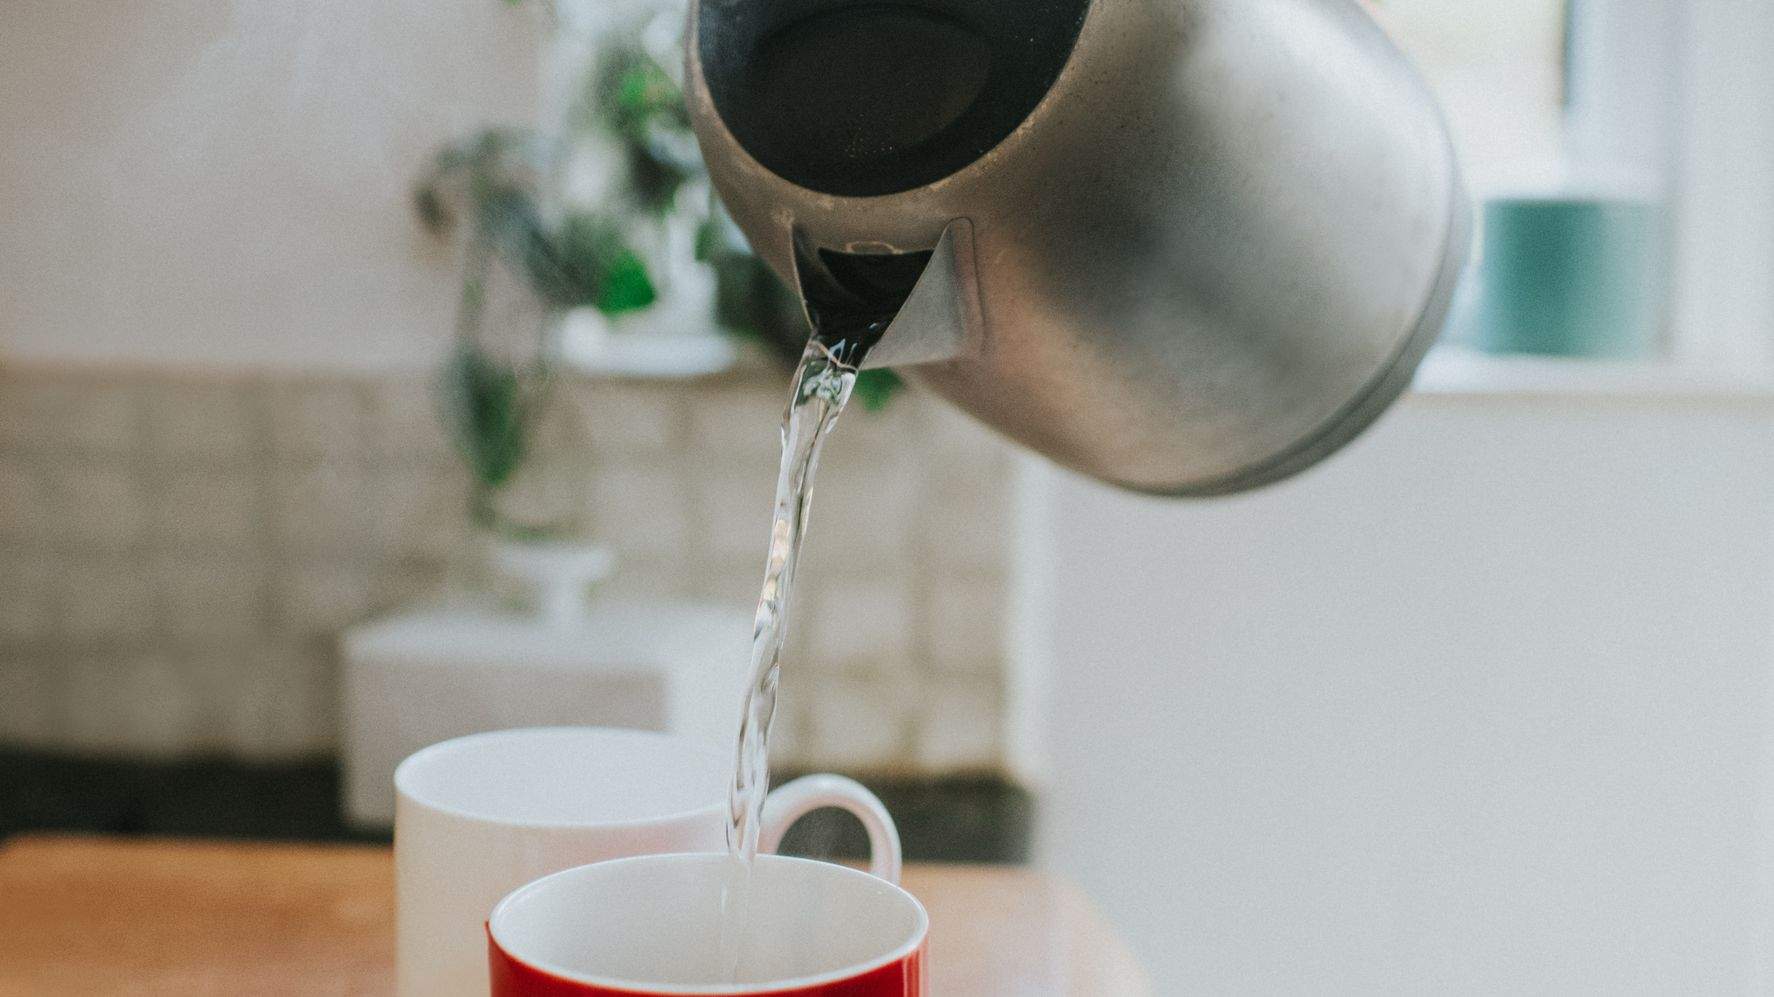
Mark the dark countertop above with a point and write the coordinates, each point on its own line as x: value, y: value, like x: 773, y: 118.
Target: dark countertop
x: 982, y: 819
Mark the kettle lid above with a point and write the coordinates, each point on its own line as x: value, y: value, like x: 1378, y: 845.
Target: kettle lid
x: 862, y: 99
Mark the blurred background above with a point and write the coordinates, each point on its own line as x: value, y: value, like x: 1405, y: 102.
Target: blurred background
x: 373, y: 374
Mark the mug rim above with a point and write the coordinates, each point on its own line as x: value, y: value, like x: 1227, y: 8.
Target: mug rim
x: 899, y: 953
x: 404, y: 774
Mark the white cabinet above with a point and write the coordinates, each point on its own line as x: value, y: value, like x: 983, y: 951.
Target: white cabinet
x: 430, y: 675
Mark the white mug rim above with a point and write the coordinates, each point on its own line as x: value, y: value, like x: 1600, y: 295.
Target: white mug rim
x: 919, y: 934
x: 404, y: 776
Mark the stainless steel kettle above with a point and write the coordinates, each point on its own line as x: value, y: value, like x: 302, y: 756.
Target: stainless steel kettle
x: 1189, y: 247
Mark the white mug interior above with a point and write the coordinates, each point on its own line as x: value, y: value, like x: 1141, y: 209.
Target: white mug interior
x: 656, y: 921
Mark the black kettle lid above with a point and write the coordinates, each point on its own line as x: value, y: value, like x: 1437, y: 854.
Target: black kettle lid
x: 861, y: 98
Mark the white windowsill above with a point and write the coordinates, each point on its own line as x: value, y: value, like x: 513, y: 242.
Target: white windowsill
x: 1453, y: 374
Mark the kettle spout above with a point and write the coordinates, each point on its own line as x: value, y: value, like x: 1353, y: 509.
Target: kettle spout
x: 922, y: 307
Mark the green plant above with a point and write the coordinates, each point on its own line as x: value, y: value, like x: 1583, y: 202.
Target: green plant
x: 581, y: 260
x: 639, y: 102
x: 634, y: 100
x: 491, y: 412
x: 491, y: 399
x: 489, y: 184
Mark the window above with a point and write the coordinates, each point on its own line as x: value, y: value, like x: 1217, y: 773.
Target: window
x: 1552, y: 93
x: 1656, y: 99
x: 1499, y: 69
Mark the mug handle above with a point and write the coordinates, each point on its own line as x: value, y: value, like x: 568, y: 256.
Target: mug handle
x: 791, y: 802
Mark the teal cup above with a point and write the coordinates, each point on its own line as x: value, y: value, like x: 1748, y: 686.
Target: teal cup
x: 1566, y: 276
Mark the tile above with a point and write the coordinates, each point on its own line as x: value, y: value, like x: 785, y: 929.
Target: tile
x: 548, y: 488
x: 960, y: 728
x: 30, y: 695
x: 949, y: 436
x: 806, y: 650
x: 135, y: 703
x: 96, y: 503
x: 26, y: 510
x: 791, y: 735
x: 408, y: 582
x: 867, y: 469
x: 725, y: 581
x: 321, y: 599
x: 320, y: 420
x: 409, y: 417
x: 204, y: 420
x: 27, y: 597
x: 283, y: 702
x: 211, y: 507
x: 967, y: 523
x: 321, y: 507
x: 948, y: 665
x: 265, y: 702
x: 24, y: 411
x: 105, y: 597
x: 858, y: 723
x: 213, y: 673
x: 890, y: 436
x: 106, y: 418
x: 642, y: 510
x: 651, y: 578
x: 865, y: 516
x: 210, y: 599
x: 552, y: 489
x: 965, y: 618
x: 94, y: 700
x: 631, y: 420
x: 419, y: 510
x: 858, y: 618
x: 62, y: 414
x: 732, y: 512
x: 738, y: 423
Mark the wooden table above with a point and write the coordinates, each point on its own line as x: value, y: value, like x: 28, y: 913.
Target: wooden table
x: 105, y: 916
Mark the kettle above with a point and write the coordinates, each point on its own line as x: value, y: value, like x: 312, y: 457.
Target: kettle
x: 1188, y: 247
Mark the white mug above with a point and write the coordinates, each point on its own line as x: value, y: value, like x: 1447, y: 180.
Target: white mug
x: 477, y: 817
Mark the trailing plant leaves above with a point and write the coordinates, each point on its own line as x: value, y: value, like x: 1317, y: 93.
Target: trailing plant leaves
x: 639, y: 104
x: 626, y: 286
x: 433, y: 213
x: 612, y: 275
x: 587, y: 261
x: 655, y: 181
x: 641, y: 96
x: 749, y: 299
x: 876, y: 388
x: 485, y: 399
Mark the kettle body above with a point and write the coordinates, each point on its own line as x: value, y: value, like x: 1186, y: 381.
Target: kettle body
x: 1188, y: 247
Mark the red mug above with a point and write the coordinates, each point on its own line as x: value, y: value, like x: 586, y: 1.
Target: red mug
x: 653, y: 926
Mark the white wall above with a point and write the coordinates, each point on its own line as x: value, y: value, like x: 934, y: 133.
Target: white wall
x: 187, y: 182
x: 1481, y: 706
x: 1724, y: 239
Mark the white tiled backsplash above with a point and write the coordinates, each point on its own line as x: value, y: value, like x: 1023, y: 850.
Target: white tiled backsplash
x: 179, y: 552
